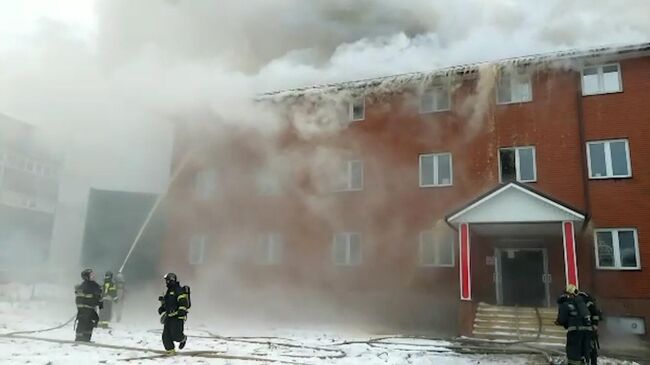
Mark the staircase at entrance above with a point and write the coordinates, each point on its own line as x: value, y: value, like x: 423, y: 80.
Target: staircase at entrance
x: 503, y: 323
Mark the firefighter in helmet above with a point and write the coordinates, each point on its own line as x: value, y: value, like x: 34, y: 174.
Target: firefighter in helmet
x: 121, y: 294
x: 173, y: 310
x: 88, y: 298
x: 595, y: 315
x: 574, y: 316
x: 109, y: 293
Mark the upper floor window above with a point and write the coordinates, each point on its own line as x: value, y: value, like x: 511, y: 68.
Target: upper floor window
x: 514, y: 87
x: 197, y: 249
x: 617, y: 249
x: 436, y: 99
x: 268, y: 184
x: 347, y: 248
x: 205, y: 183
x: 436, y: 249
x: 601, y: 79
x: 351, y: 176
x: 609, y: 159
x: 270, y: 249
x: 517, y: 163
x: 436, y: 170
x: 357, y: 110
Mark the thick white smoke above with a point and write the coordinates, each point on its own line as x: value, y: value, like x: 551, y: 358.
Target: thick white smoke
x: 106, y: 82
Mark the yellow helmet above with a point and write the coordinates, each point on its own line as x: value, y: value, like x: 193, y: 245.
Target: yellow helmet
x: 571, y: 289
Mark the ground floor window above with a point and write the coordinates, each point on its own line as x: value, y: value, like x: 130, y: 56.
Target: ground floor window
x: 436, y: 249
x: 197, y: 249
x: 347, y: 248
x: 617, y: 249
x: 270, y: 249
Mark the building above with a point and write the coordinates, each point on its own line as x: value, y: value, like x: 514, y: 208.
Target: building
x: 496, y: 183
x: 28, y: 196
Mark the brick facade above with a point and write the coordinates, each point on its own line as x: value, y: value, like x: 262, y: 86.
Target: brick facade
x: 392, y: 209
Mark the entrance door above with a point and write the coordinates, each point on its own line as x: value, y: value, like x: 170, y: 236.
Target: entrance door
x: 521, y: 274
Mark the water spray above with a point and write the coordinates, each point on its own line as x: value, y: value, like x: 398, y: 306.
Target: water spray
x: 153, y: 209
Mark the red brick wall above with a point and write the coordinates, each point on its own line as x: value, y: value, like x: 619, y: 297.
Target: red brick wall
x: 389, y: 141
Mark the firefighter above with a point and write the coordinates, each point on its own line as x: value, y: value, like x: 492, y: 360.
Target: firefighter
x: 121, y: 292
x: 595, y: 316
x: 109, y: 293
x: 88, y: 297
x: 574, y: 316
x: 173, y: 310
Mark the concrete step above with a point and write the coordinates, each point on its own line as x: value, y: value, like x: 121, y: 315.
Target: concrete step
x: 483, y: 326
x: 498, y: 308
x: 501, y: 323
x: 514, y: 317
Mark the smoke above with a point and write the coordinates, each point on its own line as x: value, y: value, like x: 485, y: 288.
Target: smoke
x: 108, y: 84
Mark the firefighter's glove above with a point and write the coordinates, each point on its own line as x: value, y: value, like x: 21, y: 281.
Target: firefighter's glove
x: 163, y: 318
x: 101, y: 305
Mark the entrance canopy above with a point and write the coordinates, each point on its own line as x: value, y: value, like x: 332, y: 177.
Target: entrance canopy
x: 514, y: 203
x: 515, y: 209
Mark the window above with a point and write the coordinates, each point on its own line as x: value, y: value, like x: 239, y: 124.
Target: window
x: 347, y: 248
x: 271, y: 249
x: 29, y: 166
x: 609, y: 159
x: 435, y: 170
x: 351, y: 176
x: 268, y: 184
x: 514, y: 87
x: 205, y: 183
x: 197, y: 249
x: 517, y: 163
x: 436, y: 249
x: 617, y: 249
x: 357, y: 110
x: 602, y: 79
x: 435, y: 100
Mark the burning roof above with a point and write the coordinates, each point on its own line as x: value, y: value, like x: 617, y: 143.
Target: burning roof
x: 405, y: 79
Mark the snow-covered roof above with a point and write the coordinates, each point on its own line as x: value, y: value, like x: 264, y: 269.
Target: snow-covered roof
x: 465, y: 69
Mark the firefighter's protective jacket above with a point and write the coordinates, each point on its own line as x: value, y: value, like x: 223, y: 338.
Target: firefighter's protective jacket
x: 175, y: 303
x: 88, y: 295
x: 109, y: 290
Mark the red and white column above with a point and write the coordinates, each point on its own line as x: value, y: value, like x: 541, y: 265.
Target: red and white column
x: 465, y: 270
x: 570, y: 259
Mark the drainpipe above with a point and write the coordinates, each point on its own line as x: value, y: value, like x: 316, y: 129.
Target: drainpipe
x: 583, y: 155
x: 585, y: 171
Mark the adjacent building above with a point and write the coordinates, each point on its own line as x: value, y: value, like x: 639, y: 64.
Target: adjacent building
x: 28, y: 196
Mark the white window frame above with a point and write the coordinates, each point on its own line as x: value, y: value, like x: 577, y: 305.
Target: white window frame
x: 608, y: 159
x: 601, y: 86
x: 201, y: 190
x: 348, y: 247
x: 437, y: 243
x: 351, y: 105
x: 272, y: 245
x: 268, y: 184
x: 348, y: 176
x: 617, y: 249
x: 197, y: 242
x: 515, y: 77
x: 518, y: 162
x: 436, y: 172
x: 433, y: 92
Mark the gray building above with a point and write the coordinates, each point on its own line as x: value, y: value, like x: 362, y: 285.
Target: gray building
x: 28, y: 196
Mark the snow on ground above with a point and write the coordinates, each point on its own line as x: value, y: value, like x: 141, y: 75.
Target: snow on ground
x: 304, y: 346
